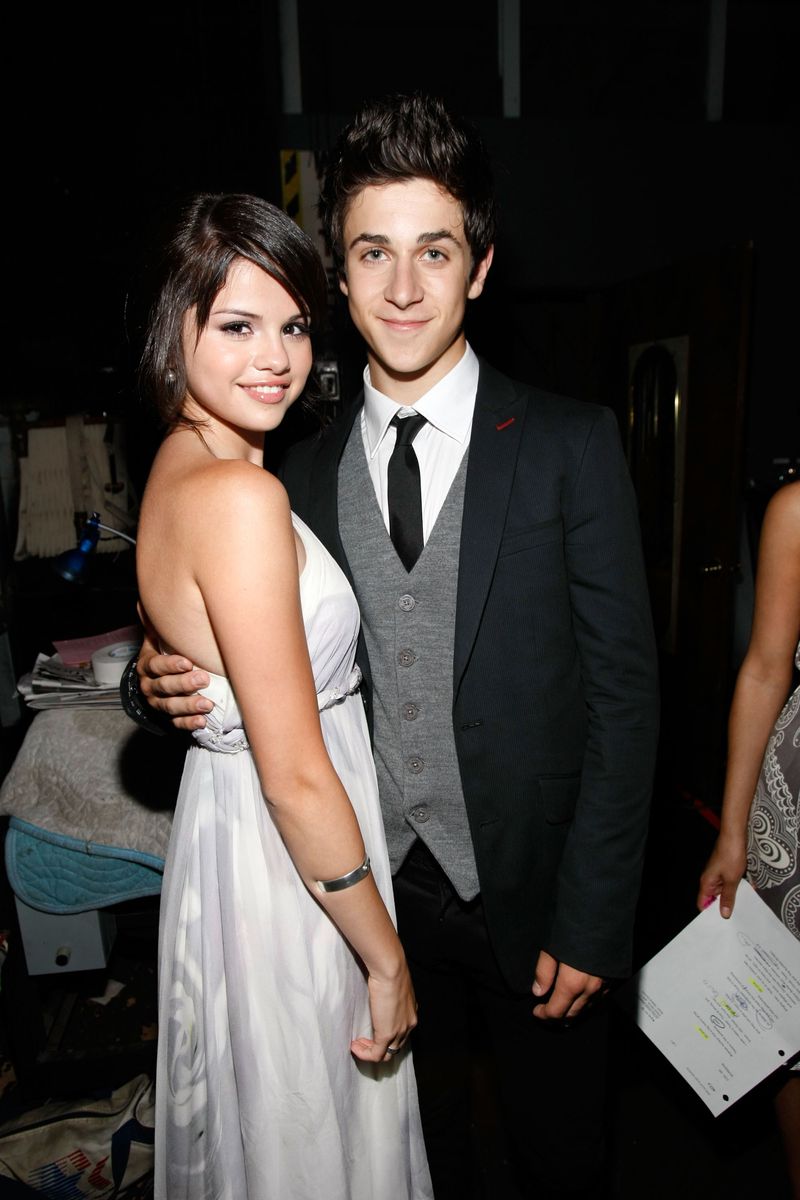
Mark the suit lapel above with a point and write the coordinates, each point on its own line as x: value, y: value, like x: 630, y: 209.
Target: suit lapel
x: 324, y: 486
x: 494, y: 445
x: 324, y: 514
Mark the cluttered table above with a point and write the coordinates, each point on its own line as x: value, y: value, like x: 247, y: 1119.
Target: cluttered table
x: 89, y: 795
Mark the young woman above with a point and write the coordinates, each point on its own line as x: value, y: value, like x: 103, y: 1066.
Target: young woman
x: 284, y: 993
x: 759, y: 832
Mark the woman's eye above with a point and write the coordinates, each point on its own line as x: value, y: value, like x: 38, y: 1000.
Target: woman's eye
x: 236, y: 328
x: 296, y: 329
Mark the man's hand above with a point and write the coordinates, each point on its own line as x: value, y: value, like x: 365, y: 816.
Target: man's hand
x: 169, y: 682
x: 572, y: 990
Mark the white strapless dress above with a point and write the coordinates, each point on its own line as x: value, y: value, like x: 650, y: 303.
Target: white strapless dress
x: 258, y: 1096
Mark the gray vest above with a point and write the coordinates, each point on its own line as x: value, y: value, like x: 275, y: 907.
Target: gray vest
x: 408, y: 620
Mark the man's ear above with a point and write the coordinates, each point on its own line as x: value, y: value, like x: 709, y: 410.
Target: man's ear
x: 479, y: 275
x: 343, y: 283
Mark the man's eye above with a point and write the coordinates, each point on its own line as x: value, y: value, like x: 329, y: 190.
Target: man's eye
x: 374, y: 254
x: 435, y: 255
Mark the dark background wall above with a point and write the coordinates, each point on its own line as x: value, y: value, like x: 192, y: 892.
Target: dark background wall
x: 611, y: 171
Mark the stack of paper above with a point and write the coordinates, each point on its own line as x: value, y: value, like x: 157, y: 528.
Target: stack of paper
x: 66, y: 679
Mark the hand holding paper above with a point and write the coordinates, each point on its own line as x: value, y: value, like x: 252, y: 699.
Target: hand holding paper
x: 722, y: 999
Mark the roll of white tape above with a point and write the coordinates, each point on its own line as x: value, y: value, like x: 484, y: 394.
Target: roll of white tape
x: 109, y: 663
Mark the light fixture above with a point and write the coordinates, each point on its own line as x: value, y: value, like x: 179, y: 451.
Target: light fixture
x: 71, y: 564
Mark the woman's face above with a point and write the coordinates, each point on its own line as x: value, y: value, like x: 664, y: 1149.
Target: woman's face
x: 251, y: 360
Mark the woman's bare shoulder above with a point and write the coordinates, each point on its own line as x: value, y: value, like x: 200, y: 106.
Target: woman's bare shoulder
x: 244, y: 491
x: 785, y: 504
x: 215, y: 507
x: 782, y: 518
x: 237, y: 476
x: 211, y: 535
x: 218, y: 487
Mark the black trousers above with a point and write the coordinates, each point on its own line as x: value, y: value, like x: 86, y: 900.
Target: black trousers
x: 550, y: 1078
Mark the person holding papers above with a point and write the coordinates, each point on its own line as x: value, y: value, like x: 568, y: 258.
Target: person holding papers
x: 759, y: 827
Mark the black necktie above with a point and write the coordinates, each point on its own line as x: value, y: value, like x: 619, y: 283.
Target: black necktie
x: 405, y: 499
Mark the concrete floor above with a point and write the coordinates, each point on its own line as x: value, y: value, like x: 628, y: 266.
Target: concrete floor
x: 664, y: 1143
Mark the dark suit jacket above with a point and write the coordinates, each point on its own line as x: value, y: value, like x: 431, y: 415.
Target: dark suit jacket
x: 554, y: 674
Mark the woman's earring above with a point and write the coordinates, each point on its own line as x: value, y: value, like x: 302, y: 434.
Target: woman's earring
x: 170, y: 375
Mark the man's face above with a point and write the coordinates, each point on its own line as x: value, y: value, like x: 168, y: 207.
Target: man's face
x: 408, y: 274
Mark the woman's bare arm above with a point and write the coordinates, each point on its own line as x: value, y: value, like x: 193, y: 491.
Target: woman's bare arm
x: 245, y: 563
x: 761, y: 689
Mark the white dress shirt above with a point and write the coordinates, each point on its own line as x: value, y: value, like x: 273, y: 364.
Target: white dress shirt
x: 440, y: 445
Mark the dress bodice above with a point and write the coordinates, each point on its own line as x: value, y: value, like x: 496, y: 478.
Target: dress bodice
x: 331, y: 622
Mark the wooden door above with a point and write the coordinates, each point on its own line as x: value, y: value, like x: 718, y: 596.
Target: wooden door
x: 675, y: 373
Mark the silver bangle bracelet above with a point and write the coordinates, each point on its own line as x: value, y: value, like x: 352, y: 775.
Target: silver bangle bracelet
x: 345, y: 881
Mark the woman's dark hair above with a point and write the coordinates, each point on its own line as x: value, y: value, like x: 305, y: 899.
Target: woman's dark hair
x: 410, y: 137
x: 211, y: 233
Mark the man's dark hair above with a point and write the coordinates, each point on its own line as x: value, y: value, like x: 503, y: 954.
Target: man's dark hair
x: 410, y: 137
x: 210, y: 234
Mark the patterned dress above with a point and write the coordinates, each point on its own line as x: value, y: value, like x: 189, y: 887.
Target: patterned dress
x: 773, y: 865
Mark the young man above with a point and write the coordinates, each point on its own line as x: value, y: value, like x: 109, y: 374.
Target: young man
x: 506, y: 649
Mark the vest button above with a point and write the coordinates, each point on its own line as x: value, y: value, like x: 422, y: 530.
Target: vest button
x: 406, y: 603
x: 406, y: 658
x: 415, y: 765
x: 410, y: 712
x: 421, y: 814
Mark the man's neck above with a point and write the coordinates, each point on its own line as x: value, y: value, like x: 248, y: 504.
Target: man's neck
x: 406, y: 390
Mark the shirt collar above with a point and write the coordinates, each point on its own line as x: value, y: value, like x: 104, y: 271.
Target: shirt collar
x: 449, y: 405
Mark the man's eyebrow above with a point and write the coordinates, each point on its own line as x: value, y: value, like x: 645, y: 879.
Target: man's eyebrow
x: 374, y: 239
x: 439, y: 235
x: 424, y: 239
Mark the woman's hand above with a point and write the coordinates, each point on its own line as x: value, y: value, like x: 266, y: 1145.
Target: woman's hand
x: 393, y: 1008
x: 723, y: 873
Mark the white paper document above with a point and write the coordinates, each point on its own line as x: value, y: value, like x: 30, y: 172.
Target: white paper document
x: 722, y: 999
